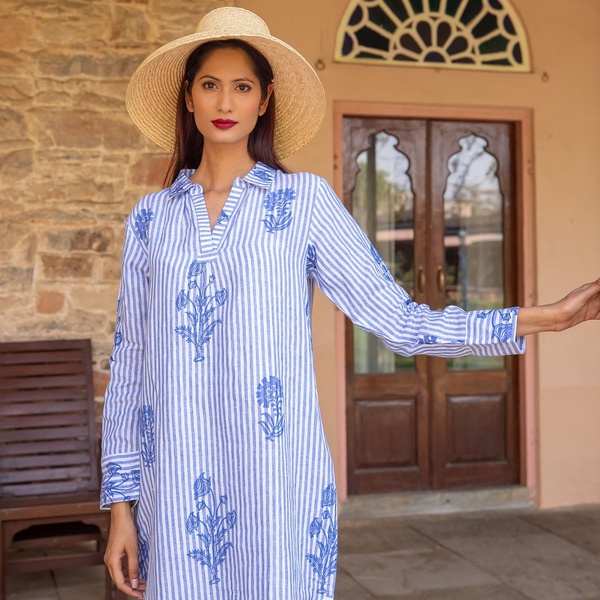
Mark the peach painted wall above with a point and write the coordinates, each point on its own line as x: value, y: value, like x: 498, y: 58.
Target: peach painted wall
x: 564, y: 44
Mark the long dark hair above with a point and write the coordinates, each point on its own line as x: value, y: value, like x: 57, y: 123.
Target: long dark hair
x: 189, y: 142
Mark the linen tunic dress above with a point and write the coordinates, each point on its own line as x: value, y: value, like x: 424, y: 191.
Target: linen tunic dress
x: 211, y: 421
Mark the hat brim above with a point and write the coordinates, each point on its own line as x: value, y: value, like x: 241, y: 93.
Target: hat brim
x: 153, y: 90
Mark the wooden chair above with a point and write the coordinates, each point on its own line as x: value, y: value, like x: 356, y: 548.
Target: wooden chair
x: 49, y: 482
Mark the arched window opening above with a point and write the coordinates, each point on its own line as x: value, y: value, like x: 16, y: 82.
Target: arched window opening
x: 463, y: 34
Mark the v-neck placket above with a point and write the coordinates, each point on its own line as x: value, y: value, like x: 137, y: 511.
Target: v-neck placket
x: 210, y: 241
x: 260, y: 176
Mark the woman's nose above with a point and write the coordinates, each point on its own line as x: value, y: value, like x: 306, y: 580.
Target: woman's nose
x: 225, y: 101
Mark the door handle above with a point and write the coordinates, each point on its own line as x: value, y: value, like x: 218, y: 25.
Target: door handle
x: 441, y: 280
x: 421, y: 280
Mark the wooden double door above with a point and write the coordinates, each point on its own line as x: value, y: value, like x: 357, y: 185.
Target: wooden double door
x: 436, y: 199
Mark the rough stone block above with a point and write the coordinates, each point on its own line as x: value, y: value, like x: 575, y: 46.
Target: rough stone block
x: 98, y: 297
x: 50, y: 302
x: 17, y: 159
x: 66, y: 267
x: 129, y: 26
x: 110, y: 268
x: 111, y: 66
x: 16, y: 32
x: 14, y: 278
x: 12, y: 126
x: 100, y: 382
x: 97, y: 240
x: 150, y: 170
x: 18, y: 89
x: 93, y: 240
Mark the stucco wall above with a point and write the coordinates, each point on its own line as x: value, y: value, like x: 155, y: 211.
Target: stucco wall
x: 564, y: 44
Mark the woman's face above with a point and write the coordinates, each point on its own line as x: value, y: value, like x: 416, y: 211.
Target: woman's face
x: 225, y: 98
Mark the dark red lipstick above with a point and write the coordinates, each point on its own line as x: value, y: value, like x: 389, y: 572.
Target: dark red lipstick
x: 224, y: 123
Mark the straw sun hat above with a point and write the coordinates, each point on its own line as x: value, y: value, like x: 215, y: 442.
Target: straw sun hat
x: 299, y: 96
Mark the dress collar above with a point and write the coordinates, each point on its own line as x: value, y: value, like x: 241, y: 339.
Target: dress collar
x: 260, y: 175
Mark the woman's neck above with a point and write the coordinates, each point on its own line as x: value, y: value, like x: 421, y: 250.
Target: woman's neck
x: 220, y: 166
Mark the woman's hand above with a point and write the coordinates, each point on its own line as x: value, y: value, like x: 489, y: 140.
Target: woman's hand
x: 122, y: 543
x: 582, y: 304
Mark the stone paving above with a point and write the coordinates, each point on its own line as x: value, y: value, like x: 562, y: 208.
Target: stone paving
x: 500, y: 555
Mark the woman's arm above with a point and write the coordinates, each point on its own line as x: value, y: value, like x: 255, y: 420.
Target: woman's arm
x: 122, y: 543
x: 120, y: 424
x: 350, y: 272
x: 582, y: 304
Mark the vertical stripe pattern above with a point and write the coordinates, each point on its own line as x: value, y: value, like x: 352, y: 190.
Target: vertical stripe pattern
x: 229, y: 465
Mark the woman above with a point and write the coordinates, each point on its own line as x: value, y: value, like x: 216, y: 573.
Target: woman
x: 211, y: 422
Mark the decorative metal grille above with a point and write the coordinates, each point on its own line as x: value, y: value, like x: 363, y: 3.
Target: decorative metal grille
x: 463, y: 34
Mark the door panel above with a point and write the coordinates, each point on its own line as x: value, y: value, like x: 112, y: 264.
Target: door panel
x: 471, y: 188
x: 384, y: 179
x: 435, y: 198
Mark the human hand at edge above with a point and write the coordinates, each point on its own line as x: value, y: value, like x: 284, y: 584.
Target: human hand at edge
x: 122, y: 544
x: 578, y: 306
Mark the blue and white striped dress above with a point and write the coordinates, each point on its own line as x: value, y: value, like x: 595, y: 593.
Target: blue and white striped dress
x: 211, y: 420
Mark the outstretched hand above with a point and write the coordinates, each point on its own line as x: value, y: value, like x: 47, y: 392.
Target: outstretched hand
x: 582, y: 304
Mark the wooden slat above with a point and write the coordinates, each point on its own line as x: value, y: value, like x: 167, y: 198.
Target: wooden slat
x: 55, y: 509
x: 45, y: 460
x: 46, y: 447
x: 29, y: 383
x: 58, y: 474
x: 54, y: 368
x: 58, y: 433
x: 43, y: 408
x: 44, y: 394
x: 56, y: 540
x: 47, y: 563
x: 8, y: 357
x: 63, y: 487
x: 21, y: 422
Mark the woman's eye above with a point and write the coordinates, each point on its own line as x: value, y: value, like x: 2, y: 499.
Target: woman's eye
x: 243, y: 87
x: 209, y: 85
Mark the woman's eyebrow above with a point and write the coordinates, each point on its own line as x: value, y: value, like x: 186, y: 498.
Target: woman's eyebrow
x: 233, y: 80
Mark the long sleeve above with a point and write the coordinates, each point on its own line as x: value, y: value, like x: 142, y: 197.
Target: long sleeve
x: 120, y: 437
x: 351, y: 273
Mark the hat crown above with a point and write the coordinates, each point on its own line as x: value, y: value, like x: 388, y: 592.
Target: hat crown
x: 232, y: 21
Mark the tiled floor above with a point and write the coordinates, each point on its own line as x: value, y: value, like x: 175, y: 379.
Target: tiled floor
x: 526, y: 554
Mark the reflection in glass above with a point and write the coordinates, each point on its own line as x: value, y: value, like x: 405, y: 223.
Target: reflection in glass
x: 383, y: 205
x: 473, y: 237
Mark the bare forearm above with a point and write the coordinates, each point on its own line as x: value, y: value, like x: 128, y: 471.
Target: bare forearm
x: 536, y: 319
x: 121, y: 511
x: 580, y: 305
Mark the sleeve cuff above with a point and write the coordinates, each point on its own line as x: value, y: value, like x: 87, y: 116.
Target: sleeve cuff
x: 493, y: 332
x: 120, y: 479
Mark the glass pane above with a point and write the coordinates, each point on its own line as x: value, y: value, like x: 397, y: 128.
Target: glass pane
x: 383, y: 205
x: 473, y: 237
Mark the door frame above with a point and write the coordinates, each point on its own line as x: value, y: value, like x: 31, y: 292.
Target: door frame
x: 522, y: 118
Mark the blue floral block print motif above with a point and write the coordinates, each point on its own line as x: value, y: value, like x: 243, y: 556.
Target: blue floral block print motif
x: 381, y: 267
x: 502, y: 320
x: 211, y: 523
x: 277, y: 205
x: 311, y: 261
x: 141, y: 224
x: 270, y: 396
x: 199, y: 305
x: 146, y: 427
x: 118, y: 486
x: 324, y: 529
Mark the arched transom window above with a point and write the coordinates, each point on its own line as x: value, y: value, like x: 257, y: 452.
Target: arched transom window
x: 465, y: 34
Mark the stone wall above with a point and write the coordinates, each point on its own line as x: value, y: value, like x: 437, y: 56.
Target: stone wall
x: 72, y: 164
